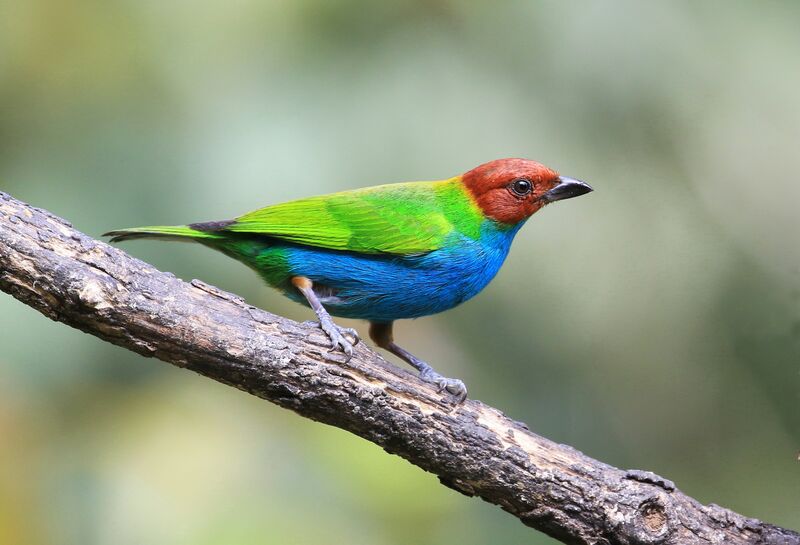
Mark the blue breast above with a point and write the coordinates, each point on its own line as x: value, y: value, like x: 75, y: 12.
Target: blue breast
x: 384, y: 288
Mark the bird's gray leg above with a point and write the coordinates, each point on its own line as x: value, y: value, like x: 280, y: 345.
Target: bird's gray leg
x: 381, y: 334
x: 337, y: 335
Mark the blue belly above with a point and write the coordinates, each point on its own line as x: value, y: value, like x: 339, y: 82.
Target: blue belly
x: 384, y: 288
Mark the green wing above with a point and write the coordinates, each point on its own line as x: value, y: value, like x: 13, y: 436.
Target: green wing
x: 407, y: 218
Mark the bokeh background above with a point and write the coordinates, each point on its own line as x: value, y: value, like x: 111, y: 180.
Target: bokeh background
x: 653, y: 324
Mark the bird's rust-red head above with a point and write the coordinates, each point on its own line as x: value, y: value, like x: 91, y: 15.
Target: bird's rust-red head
x: 511, y: 190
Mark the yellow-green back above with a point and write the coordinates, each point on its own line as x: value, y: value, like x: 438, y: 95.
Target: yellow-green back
x: 405, y: 218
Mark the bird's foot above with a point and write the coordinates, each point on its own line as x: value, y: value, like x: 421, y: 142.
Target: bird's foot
x: 338, y: 336
x: 452, y: 385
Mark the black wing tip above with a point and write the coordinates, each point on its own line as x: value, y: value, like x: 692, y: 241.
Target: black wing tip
x: 119, y: 236
x: 211, y: 226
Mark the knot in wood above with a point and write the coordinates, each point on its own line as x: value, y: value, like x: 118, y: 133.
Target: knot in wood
x: 650, y: 524
x: 654, y: 517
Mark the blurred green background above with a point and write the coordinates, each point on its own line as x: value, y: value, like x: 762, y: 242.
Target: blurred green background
x: 653, y: 324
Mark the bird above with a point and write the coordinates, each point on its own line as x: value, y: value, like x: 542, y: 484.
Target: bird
x: 387, y: 252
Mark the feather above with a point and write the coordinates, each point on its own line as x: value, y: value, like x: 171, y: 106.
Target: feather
x: 172, y: 232
x: 405, y: 219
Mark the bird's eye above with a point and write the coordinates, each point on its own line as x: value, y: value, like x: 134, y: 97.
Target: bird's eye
x: 521, y: 187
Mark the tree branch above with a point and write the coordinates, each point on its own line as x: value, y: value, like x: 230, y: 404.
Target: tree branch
x: 473, y: 448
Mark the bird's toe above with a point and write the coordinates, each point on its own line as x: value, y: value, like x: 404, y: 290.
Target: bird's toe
x: 346, y: 347
x: 457, y: 388
x: 339, y: 340
x: 352, y: 333
x: 341, y: 345
x: 453, y: 386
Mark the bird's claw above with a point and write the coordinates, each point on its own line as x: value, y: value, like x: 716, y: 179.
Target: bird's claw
x: 339, y: 337
x: 352, y: 333
x: 451, y: 385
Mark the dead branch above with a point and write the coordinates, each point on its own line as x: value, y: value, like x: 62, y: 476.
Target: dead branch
x: 474, y: 448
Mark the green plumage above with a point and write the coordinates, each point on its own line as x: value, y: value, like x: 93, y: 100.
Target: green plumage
x: 403, y: 219
x: 407, y: 218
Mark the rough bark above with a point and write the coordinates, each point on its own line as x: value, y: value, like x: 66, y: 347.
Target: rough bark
x: 473, y: 448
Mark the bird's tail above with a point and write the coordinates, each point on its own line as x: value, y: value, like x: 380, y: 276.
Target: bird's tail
x: 169, y: 232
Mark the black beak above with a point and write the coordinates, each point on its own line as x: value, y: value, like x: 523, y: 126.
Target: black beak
x: 566, y: 189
